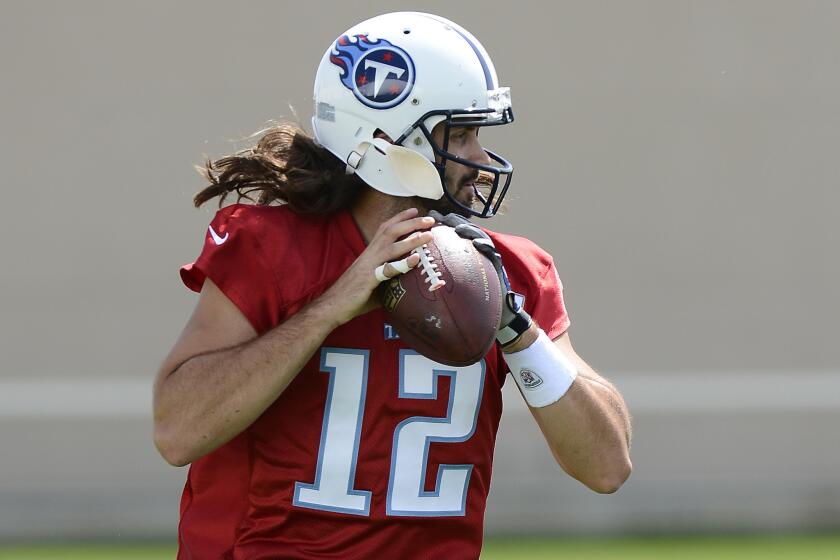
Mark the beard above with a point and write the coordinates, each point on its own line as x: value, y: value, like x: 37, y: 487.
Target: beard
x: 442, y: 205
x: 464, y: 194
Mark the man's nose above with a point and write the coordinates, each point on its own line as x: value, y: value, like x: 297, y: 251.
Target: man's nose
x: 477, y: 153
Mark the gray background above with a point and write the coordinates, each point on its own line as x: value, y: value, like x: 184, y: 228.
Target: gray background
x: 678, y: 159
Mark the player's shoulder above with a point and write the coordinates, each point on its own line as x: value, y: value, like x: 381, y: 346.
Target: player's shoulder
x: 266, y: 253
x: 530, y: 269
x: 520, y: 252
x: 267, y: 225
x: 256, y: 217
x: 267, y: 236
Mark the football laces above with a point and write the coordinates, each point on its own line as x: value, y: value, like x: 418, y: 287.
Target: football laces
x: 430, y: 269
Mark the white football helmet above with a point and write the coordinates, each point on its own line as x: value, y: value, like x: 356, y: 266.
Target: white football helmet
x: 402, y: 74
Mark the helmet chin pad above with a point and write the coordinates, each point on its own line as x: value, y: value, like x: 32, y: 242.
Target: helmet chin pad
x: 397, y: 171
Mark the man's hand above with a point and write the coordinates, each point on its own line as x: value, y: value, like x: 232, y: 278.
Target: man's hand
x: 352, y: 293
x: 515, y: 321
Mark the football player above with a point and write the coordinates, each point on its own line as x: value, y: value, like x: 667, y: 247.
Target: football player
x: 311, y: 430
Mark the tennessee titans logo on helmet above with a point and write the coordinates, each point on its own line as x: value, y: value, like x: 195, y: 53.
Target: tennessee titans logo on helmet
x: 378, y: 73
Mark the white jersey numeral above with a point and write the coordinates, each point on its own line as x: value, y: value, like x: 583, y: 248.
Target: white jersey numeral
x: 333, y: 489
x: 339, y: 449
x: 419, y: 377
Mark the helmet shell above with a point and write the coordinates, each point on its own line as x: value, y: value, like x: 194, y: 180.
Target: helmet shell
x: 384, y: 74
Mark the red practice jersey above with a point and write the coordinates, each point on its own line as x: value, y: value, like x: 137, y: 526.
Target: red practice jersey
x: 373, y: 451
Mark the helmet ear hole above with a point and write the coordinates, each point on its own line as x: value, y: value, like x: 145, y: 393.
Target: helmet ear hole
x: 379, y: 133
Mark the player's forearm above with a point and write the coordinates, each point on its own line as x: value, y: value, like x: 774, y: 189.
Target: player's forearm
x: 585, y: 423
x: 212, y: 397
x: 588, y: 431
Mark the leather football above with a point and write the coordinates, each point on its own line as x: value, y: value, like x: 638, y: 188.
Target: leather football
x: 449, y: 306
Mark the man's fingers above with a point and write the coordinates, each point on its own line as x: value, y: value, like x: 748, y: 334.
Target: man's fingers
x: 437, y: 216
x: 406, y: 215
x: 409, y: 244
x: 469, y: 231
x: 451, y: 220
x: 484, y: 245
x: 413, y: 260
x: 486, y: 248
x: 390, y: 269
x: 400, y: 216
x: 400, y: 229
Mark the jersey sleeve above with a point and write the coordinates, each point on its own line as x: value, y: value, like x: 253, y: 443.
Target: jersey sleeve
x: 531, y: 272
x: 233, y: 259
x: 548, y: 307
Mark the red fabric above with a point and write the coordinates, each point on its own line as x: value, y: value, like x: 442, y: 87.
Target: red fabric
x: 237, y: 502
x: 531, y: 272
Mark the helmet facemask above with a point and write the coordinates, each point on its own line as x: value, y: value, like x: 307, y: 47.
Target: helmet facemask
x: 493, y: 180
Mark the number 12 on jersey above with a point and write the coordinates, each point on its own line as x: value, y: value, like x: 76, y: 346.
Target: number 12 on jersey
x: 334, y: 486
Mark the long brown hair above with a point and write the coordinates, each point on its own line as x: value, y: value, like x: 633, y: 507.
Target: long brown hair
x: 286, y: 166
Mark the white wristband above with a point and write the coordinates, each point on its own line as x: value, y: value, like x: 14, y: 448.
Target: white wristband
x: 542, y: 371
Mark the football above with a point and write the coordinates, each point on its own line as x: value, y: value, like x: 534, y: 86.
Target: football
x: 449, y: 306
